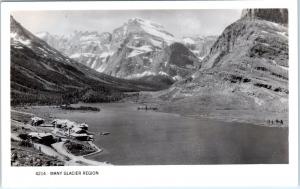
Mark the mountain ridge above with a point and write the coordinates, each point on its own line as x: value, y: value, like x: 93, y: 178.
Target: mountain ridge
x: 39, y: 73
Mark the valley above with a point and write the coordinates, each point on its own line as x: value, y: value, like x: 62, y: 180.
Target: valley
x: 199, y: 99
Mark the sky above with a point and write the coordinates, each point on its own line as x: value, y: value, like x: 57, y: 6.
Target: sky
x: 178, y: 22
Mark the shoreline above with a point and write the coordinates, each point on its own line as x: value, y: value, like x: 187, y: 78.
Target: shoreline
x: 234, y: 116
x: 76, y: 160
x: 57, y: 150
x: 233, y: 120
x: 262, y: 118
x: 217, y: 115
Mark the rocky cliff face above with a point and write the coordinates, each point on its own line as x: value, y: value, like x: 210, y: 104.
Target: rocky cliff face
x: 254, y: 38
x: 246, y: 71
x: 273, y: 15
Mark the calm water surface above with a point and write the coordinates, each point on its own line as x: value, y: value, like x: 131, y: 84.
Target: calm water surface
x: 153, y: 138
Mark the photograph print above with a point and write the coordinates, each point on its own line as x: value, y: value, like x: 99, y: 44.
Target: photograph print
x: 149, y: 87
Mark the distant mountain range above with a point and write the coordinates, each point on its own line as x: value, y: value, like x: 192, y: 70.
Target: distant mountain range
x: 89, y: 48
x: 137, y: 49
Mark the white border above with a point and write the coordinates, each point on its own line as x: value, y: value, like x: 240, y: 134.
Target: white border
x: 152, y: 176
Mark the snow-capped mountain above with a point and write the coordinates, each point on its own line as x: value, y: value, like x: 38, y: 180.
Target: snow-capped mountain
x: 151, y: 33
x: 199, y: 45
x: 138, y: 48
x: 145, y: 48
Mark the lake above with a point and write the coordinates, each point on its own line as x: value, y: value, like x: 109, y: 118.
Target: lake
x: 139, y: 137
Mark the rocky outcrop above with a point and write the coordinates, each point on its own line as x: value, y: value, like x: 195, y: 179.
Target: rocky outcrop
x: 250, y: 38
x: 273, y: 15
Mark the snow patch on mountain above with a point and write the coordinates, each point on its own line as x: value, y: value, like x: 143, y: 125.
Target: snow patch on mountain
x: 283, y: 34
x: 188, y: 40
x: 177, y: 78
x: 156, y: 43
x: 42, y: 35
x: 156, y: 30
x: 106, y: 54
x: 138, y: 75
x: 146, y: 73
x: 77, y: 55
x: 139, y: 50
x: 163, y: 73
x: 101, y: 68
x: 16, y: 38
x: 199, y: 45
x: 284, y: 68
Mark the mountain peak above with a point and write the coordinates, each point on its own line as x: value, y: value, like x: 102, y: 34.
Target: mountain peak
x: 136, y: 19
x: 139, y: 25
x: 146, y: 22
x: 14, y: 25
x: 42, y: 34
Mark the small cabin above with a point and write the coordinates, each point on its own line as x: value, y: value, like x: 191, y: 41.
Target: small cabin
x: 36, y: 121
x: 82, y: 137
x: 80, y: 134
x: 83, y: 126
x: 78, y: 130
x: 63, y: 123
x: 42, y: 138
